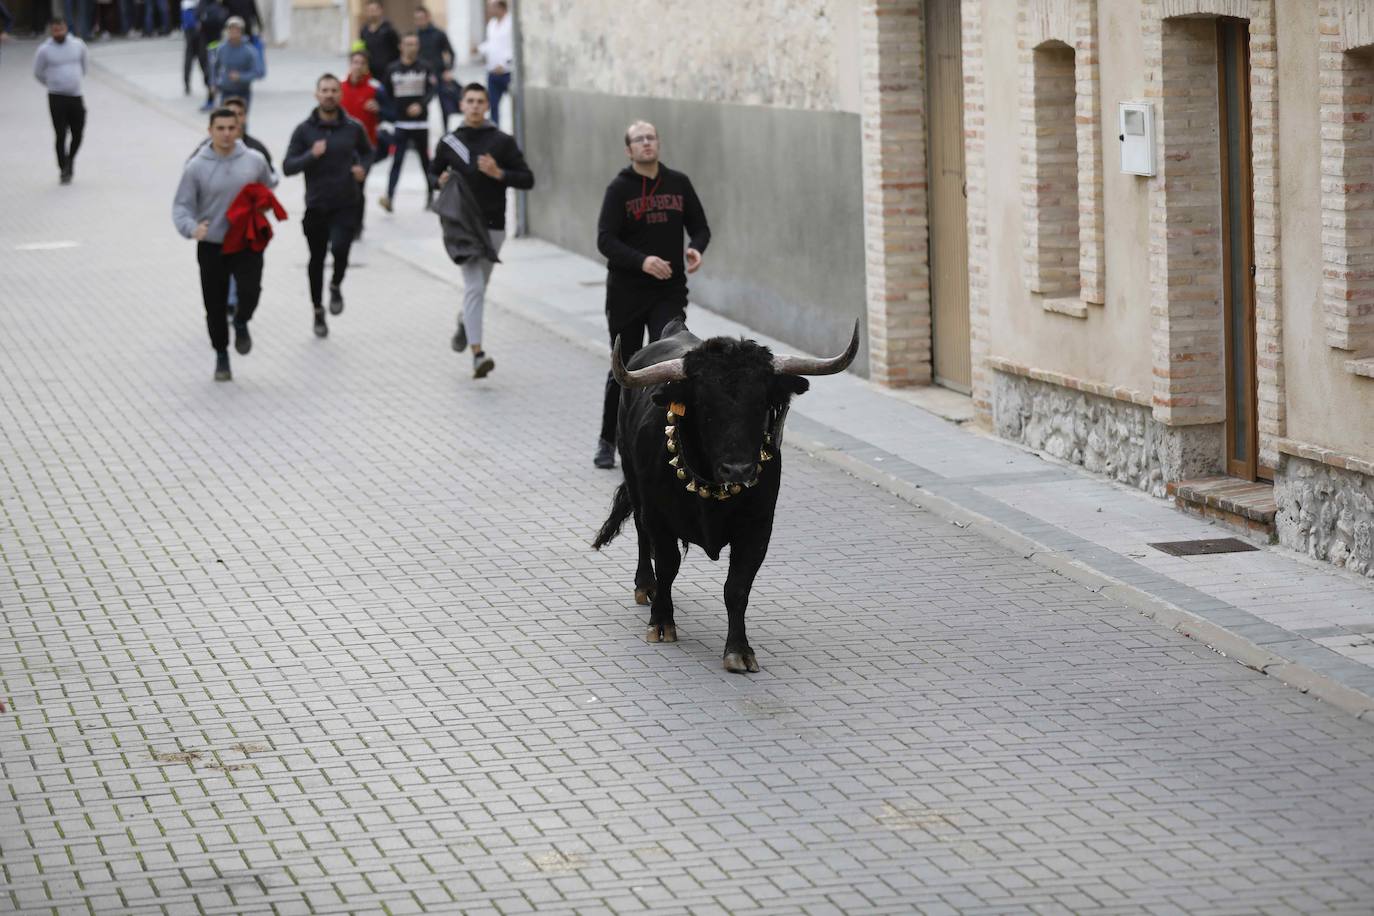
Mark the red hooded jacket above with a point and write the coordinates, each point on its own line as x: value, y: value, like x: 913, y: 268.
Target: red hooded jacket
x: 247, y: 215
x: 354, y: 98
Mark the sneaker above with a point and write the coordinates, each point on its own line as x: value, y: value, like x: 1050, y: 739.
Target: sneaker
x: 460, y: 339
x: 65, y: 178
x: 335, y: 300
x: 605, y: 455
x: 243, y: 342
x: 481, y: 365
x: 385, y: 203
x: 222, y: 373
x: 321, y: 329
x: 429, y: 204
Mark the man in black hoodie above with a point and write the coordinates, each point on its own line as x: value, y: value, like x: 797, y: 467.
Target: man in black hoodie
x: 489, y: 161
x: 332, y: 150
x: 645, y: 212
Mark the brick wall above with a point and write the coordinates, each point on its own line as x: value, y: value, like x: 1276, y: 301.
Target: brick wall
x: 894, y: 181
x: 1347, y: 116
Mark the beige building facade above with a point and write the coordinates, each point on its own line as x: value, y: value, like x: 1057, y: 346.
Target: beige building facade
x: 1139, y: 234
x: 1209, y: 315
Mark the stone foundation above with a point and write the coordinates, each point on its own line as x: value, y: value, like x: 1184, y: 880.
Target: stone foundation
x: 1115, y: 438
x: 1326, y: 512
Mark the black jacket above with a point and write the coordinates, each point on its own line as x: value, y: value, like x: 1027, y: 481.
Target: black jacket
x: 247, y: 10
x: 642, y: 217
x: 406, y: 85
x: 460, y: 218
x: 383, y: 47
x: 329, y: 180
x: 434, y: 45
x: 459, y: 150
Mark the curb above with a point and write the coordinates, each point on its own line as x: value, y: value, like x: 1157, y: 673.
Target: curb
x: 1217, y: 638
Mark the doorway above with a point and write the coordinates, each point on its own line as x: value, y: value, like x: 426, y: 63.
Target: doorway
x: 947, y: 197
x: 1238, y: 251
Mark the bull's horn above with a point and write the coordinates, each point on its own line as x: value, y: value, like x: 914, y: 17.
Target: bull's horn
x: 670, y: 370
x: 805, y: 365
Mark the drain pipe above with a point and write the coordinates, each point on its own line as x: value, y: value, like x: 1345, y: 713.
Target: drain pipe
x: 522, y: 228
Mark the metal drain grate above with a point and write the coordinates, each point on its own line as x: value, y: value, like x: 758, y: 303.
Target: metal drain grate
x: 1204, y: 546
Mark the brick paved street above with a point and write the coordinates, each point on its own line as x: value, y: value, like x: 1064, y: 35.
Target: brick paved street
x: 330, y: 638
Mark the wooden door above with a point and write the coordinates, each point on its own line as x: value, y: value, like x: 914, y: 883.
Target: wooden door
x: 947, y: 196
x: 1238, y: 250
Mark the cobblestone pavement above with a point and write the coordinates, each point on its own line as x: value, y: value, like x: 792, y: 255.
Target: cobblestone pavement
x: 330, y: 637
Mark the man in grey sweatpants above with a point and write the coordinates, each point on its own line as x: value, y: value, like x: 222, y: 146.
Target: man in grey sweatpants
x: 209, y: 183
x: 60, y: 65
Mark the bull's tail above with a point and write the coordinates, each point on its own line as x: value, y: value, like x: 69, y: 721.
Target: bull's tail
x: 621, y: 509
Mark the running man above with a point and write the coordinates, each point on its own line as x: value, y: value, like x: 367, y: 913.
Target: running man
x: 410, y: 84
x: 332, y: 150
x: 489, y: 161
x: 209, y: 184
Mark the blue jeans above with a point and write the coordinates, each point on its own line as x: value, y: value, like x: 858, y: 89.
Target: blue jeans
x: 163, y: 25
x: 78, y: 13
x: 498, y: 84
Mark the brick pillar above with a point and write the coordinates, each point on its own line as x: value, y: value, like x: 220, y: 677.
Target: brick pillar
x: 975, y: 173
x: 1049, y: 173
x: 1091, y: 234
x: 1185, y: 234
x: 894, y: 183
x: 1264, y: 149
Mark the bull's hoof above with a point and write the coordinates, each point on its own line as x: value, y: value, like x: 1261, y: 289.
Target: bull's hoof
x: 644, y: 595
x: 741, y: 662
x: 660, y: 633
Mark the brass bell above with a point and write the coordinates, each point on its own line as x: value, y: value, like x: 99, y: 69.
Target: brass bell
x: 668, y: 430
x: 735, y: 488
x: 765, y: 455
x: 691, y: 486
x: 674, y: 461
x: 681, y: 473
x: 672, y: 446
x: 672, y: 417
x: 704, y: 493
x: 752, y: 483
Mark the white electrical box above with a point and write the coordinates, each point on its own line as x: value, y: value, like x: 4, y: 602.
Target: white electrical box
x: 1137, y: 132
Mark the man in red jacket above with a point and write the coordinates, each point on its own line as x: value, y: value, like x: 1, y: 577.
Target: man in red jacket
x: 364, y: 99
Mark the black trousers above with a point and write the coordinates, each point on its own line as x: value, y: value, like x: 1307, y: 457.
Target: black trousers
x: 215, y: 270
x: 405, y: 137
x: 328, y: 229
x: 68, y: 117
x: 195, y: 52
x: 629, y: 314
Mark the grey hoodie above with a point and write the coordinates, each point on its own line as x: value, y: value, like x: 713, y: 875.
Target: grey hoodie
x: 209, y: 184
x: 60, y: 65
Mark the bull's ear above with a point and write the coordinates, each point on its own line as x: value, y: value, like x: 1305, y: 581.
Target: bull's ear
x: 673, y: 391
x: 784, y: 386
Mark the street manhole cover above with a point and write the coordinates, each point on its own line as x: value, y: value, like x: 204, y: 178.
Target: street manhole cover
x: 1204, y: 546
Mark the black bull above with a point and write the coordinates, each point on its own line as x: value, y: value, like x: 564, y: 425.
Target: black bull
x: 700, y: 430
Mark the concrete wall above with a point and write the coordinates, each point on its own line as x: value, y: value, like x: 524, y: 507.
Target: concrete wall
x: 1111, y: 345
x: 757, y: 103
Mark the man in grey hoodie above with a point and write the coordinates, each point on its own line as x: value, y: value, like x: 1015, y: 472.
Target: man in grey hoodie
x: 209, y: 183
x: 60, y: 65
x: 237, y: 63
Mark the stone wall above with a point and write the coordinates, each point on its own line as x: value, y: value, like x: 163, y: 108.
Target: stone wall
x: 1326, y: 512
x: 786, y: 53
x: 1115, y: 438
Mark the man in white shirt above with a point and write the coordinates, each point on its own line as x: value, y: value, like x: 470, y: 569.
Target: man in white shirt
x: 499, y: 50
